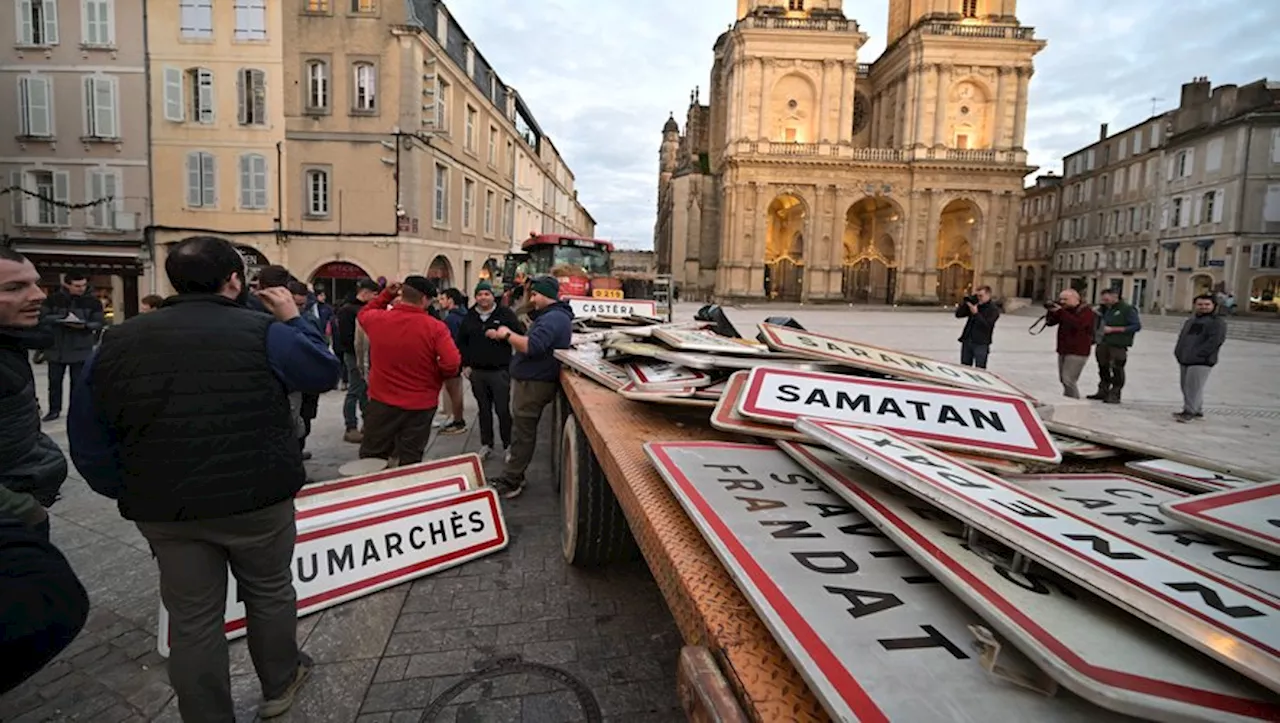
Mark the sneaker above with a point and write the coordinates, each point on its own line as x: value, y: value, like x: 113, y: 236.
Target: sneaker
x: 1183, y: 417
x: 439, y: 422
x: 50, y: 416
x: 279, y: 705
x: 353, y: 436
x: 454, y: 427
x: 506, y: 488
x: 486, y: 451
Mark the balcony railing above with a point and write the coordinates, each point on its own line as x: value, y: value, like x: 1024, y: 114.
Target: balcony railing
x: 975, y: 30
x: 830, y: 25
x: 846, y: 152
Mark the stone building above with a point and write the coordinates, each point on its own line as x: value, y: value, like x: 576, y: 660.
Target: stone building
x: 73, y: 144
x: 1037, y: 234
x: 809, y: 176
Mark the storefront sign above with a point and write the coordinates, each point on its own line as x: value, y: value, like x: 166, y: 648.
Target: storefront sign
x: 886, y: 361
x: 365, y: 554
x: 1196, y: 479
x: 594, y: 367
x: 586, y: 306
x: 875, y: 636
x: 1089, y: 646
x: 1250, y: 516
x: 1229, y: 621
x: 997, y: 425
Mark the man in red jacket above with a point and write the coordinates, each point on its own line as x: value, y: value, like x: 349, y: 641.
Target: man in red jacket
x: 1075, y: 322
x: 411, y: 353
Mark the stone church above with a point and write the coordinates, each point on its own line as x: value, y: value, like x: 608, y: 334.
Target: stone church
x: 810, y: 176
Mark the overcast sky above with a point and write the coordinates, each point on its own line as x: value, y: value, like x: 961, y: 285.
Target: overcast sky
x: 601, y: 75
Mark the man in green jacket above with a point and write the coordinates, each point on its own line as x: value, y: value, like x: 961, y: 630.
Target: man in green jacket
x: 1118, y: 322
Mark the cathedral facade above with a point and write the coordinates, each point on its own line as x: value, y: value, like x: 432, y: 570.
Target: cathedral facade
x: 811, y: 176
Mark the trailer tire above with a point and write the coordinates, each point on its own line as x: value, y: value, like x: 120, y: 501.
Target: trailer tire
x: 593, y: 529
x: 560, y: 410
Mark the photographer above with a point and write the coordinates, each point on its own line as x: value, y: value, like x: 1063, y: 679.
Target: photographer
x: 975, y: 340
x: 1075, y: 322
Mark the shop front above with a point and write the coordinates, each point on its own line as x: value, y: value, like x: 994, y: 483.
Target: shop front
x: 113, y: 274
x: 337, y: 279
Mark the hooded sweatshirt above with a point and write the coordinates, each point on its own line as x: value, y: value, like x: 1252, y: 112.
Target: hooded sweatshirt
x: 552, y: 329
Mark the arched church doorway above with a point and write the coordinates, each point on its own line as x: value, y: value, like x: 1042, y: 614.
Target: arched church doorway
x: 870, y: 258
x: 961, y: 221
x: 784, y: 249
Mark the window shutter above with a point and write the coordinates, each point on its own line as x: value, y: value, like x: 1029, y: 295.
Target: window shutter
x: 26, y: 33
x: 90, y: 127
x: 1191, y: 161
x: 62, y: 194
x: 204, y: 79
x: 209, y: 179
x: 104, y: 107
x: 34, y: 104
x: 1186, y: 214
x: 50, y: 22
x: 1164, y: 217
x: 259, y: 168
x: 111, y: 190
x: 259, y: 96
x: 246, y: 182
x: 1168, y: 176
x: 193, y: 180
x: 174, y: 106
x: 93, y: 185
x: 241, y: 107
x: 1198, y: 208
x: 17, y: 199
x: 1219, y: 197
x: 1255, y: 256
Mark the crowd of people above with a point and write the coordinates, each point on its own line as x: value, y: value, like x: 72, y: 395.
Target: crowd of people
x: 194, y: 418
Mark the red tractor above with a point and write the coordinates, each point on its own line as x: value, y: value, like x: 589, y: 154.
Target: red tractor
x: 583, y: 266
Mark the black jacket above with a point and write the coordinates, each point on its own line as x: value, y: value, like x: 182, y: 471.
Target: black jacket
x: 30, y: 462
x: 202, y: 423
x: 479, y: 351
x: 979, y: 328
x: 1199, y: 341
x: 71, y: 344
x: 344, y: 339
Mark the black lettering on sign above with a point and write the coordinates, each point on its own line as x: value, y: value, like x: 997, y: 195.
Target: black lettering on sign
x: 393, y: 541
x: 455, y: 525
x: 948, y: 371
x: 827, y: 563
x: 791, y: 530
x: 865, y: 602
x: 918, y: 579
x: 1247, y: 559
x: 1032, y: 582
x: 415, y: 537
x: 806, y: 341
x: 1274, y: 523
x: 750, y: 485
x: 982, y: 419
x: 933, y: 638
x: 862, y: 529
x: 436, y: 528
x: 339, y: 561
x: 948, y: 413
x: 1128, y: 494
x: 861, y: 403
x: 476, y: 518
x: 817, y: 396
x: 1024, y: 509
x: 370, y: 553
x: 1136, y: 518
x: 826, y: 509
x: 887, y: 554
x: 1090, y: 504
x: 979, y: 379
x: 888, y: 359
x: 1187, y: 537
x: 855, y: 351
x: 1103, y: 547
x: 302, y: 569
x: 883, y: 442
x: 788, y: 393
x: 1232, y: 554
x: 755, y: 504
x: 1214, y: 600
x: 735, y: 469
x: 959, y: 481
x: 917, y: 365
x: 918, y: 406
x: 794, y: 478
x: 888, y: 406
x: 922, y: 461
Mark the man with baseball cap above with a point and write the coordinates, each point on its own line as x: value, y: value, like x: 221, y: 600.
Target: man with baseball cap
x: 412, y: 353
x: 535, y: 374
x: 344, y: 345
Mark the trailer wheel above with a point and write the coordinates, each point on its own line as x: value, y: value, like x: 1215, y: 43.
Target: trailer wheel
x: 560, y: 410
x: 593, y: 529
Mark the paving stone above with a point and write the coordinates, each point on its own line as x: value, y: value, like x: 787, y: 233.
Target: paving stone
x: 357, y: 630
x: 516, y: 634
x: 400, y: 695
x: 558, y: 707
x: 408, y: 716
x: 501, y: 710
x: 391, y: 669
x: 334, y: 692
x: 551, y: 652
x: 411, y: 643
x: 448, y: 662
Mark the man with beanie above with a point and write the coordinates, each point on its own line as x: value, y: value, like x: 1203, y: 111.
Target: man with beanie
x: 412, y: 353
x: 1118, y: 322
x: 1197, y: 352
x: 535, y: 374
x: 486, y: 362
x: 344, y: 344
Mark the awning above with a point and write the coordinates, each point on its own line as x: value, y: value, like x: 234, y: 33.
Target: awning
x: 94, y: 265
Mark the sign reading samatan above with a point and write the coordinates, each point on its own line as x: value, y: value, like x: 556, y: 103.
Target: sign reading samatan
x: 585, y: 306
x: 899, y: 364
x: 993, y: 424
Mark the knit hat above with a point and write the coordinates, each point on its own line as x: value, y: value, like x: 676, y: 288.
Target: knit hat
x: 548, y: 286
x: 422, y: 284
x: 368, y: 284
x: 482, y: 286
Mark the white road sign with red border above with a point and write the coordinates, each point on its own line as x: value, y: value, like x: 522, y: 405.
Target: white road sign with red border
x: 463, y: 465
x: 331, y: 508
x: 1227, y: 620
x: 725, y: 416
x: 996, y: 425
x: 594, y: 367
x: 1196, y: 479
x: 587, y: 306
x: 1250, y: 516
x: 662, y: 374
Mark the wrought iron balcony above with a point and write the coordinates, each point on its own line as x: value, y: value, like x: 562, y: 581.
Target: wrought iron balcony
x: 975, y: 30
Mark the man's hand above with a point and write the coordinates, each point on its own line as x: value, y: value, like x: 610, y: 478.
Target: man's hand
x: 394, y: 288
x: 1112, y: 329
x: 973, y: 308
x: 500, y: 334
x: 279, y: 302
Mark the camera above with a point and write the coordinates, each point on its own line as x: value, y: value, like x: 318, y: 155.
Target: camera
x: 972, y: 299
x: 1050, y: 305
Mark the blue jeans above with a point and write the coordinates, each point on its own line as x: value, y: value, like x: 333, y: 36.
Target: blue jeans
x: 357, y: 392
x: 974, y: 355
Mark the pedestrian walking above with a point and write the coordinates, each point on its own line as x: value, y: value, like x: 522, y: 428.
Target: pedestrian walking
x: 535, y: 376
x: 486, y: 362
x: 308, y: 309
x: 344, y: 345
x: 184, y: 420
x: 453, y: 307
x: 75, y: 317
x: 980, y: 315
x: 1117, y: 324
x: 1197, y: 352
x: 1075, y: 322
x: 411, y: 353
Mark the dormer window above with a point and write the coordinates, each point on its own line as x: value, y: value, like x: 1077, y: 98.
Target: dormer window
x: 795, y: 5
x: 969, y: 8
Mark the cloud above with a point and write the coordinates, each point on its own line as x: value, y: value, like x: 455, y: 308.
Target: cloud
x: 601, y: 75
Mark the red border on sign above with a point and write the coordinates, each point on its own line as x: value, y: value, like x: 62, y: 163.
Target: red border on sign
x: 460, y: 483
x: 637, y: 374
x: 391, y: 575
x: 1216, y: 485
x: 767, y: 330
x: 1201, y: 504
x: 1239, y: 589
x: 853, y: 694
x: 653, y: 305
x: 723, y: 414
x: 1099, y: 477
x: 1106, y: 676
x: 1044, y: 447
x: 471, y: 459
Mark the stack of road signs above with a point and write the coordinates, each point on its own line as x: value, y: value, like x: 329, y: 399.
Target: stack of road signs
x: 362, y: 534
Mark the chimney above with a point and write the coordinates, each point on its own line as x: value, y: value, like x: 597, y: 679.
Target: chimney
x: 1196, y: 92
x: 1102, y: 132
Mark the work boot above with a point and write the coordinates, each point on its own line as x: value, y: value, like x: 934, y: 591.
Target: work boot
x: 51, y: 416
x: 353, y: 436
x: 278, y: 705
x: 1113, y: 397
x: 1100, y: 395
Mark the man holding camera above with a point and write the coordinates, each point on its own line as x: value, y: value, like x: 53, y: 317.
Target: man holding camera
x: 1117, y: 324
x: 981, y: 315
x: 1075, y: 322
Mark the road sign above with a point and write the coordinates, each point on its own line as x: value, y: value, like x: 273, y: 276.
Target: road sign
x: 1196, y: 479
x: 647, y: 331
x: 365, y: 554
x: 657, y: 375
x: 1089, y: 646
x: 990, y: 464
x: 464, y: 465
x: 1229, y: 621
x: 874, y: 637
x: 711, y: 362
x: 1250, y: 515
x: 886, y: 361
x: 1081, y: 448
x: 594, y: 367
x: 712, y: 392
x: 321, y: 510
x: 708, y: 341
x: 585, y: 306
x: 1131, y: 506
x: 679, y: 396
x: 996, y: 425
x: 726, y: 418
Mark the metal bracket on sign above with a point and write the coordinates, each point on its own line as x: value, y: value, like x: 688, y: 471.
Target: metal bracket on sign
x: 1022, y: 673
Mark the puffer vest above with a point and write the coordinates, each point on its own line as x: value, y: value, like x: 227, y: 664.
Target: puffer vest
x: 30, y: 461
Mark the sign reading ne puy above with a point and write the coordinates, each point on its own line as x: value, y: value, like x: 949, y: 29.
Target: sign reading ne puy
x: 595, y: 368
x: 1229, y: 621
x: 865, y: 356
x: 1131, y: 506
x: 1084, y: 643
x: 1196, y: 479
x: 1081, y: 448
x: 859, y: 619
x: 725, y: 416
x: 661, y: 374
x: 463, y: 465
x: 997, y: 425
x: 708, y: 341
x: 585, y: 306
x: 358, y: 557
x: 1250, y: 515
